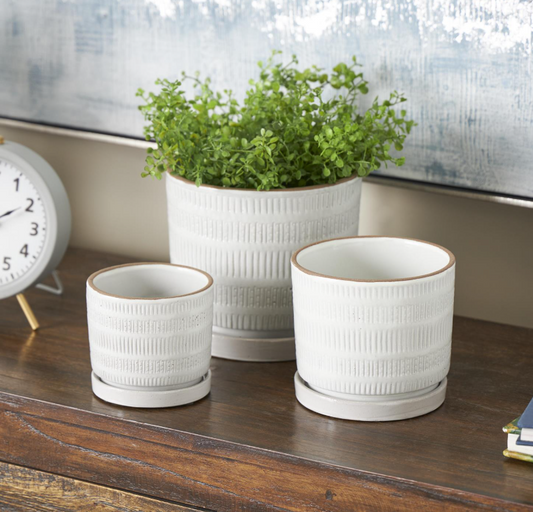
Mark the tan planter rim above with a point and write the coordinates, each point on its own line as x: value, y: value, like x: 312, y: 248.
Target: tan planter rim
x: 90, y: 281
x: 234, y: 189
x: 450, y: 264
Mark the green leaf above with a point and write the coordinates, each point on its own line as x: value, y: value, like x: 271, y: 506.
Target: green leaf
x: 297, y: 129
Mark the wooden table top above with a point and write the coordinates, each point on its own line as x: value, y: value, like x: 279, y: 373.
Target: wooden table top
x: 250, y: 445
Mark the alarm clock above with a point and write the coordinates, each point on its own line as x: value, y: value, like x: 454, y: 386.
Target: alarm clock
x: 35, y: 219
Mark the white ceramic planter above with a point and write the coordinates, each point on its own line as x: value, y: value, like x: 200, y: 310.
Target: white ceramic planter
x: 245, y: 239
x: 373, y: 325
x: 150, y: 329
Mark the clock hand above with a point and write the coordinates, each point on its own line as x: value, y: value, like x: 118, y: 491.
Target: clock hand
x: 9, y: 212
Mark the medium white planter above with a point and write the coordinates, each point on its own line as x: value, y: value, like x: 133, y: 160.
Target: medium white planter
x: 373, y: 324
x: 245, y: 239
x: 150, y: 328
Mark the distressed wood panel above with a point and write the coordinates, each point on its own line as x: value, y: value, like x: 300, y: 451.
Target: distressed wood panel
x: 207, y: 472
x: 249, y: 445
x: 24, y: 489
x: 465, y: 66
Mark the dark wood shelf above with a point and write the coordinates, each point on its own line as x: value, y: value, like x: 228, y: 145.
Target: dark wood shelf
x: 250, y: 445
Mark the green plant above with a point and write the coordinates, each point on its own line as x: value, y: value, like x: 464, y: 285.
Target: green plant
x: 290, y: 131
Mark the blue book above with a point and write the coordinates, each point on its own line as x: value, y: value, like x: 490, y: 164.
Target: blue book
x: 526, y: 420
x: 514, y: 450
x: 525, y: 423
x: 521, y: 442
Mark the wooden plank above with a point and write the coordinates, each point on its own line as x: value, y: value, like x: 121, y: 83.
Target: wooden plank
x: 24, y: 489
x: 205, y: 472
x: 249, y: 445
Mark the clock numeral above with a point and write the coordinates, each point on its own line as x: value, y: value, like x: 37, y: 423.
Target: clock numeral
x: 34, y: 229
x: 28, y: 209
x: 7, y: 263
x: 24, y: 250
x: 17, y: 181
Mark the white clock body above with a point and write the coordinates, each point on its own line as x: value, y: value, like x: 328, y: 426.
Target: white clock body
x: 35, y: 219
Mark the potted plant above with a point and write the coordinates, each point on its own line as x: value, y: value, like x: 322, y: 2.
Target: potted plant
x: 248, y: 184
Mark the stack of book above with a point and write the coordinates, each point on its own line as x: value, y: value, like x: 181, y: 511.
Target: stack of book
x: 520, y: 436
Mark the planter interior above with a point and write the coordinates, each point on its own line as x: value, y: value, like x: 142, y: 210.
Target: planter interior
x: 150, y: 281
x: 373, y: 259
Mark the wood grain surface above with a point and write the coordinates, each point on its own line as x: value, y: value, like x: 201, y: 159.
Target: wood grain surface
x: 249, y: 445
x: 23, y: 489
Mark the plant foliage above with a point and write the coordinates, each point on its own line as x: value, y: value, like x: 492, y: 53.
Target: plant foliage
x: 295, y: 128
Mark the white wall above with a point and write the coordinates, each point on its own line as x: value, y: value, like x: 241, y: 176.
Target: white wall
x: 493, y: 244
x: 115, y: 210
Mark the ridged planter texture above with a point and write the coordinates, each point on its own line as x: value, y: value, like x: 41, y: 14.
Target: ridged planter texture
x: 373, y: 324
x: 150, y: 329
x: 245, y: 239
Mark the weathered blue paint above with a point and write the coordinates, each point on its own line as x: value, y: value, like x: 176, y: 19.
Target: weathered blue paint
x: 465, y: 66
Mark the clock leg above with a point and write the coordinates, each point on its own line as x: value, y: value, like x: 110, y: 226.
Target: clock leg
x: 58, y: 290
x: 34, y: 324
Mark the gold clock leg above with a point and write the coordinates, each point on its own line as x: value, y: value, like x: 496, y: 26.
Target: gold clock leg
x: 34, y: 324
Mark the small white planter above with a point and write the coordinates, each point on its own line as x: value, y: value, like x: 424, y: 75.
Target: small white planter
x: 373, y: 324
x: 245, y: 239
x: 150, y: 330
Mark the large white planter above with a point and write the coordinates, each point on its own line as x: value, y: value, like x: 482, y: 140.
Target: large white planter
x: 373, y: 323
x: 150, y: 328
x: 245, y: 239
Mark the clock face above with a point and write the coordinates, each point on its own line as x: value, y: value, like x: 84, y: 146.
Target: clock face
x: 23, y: 223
